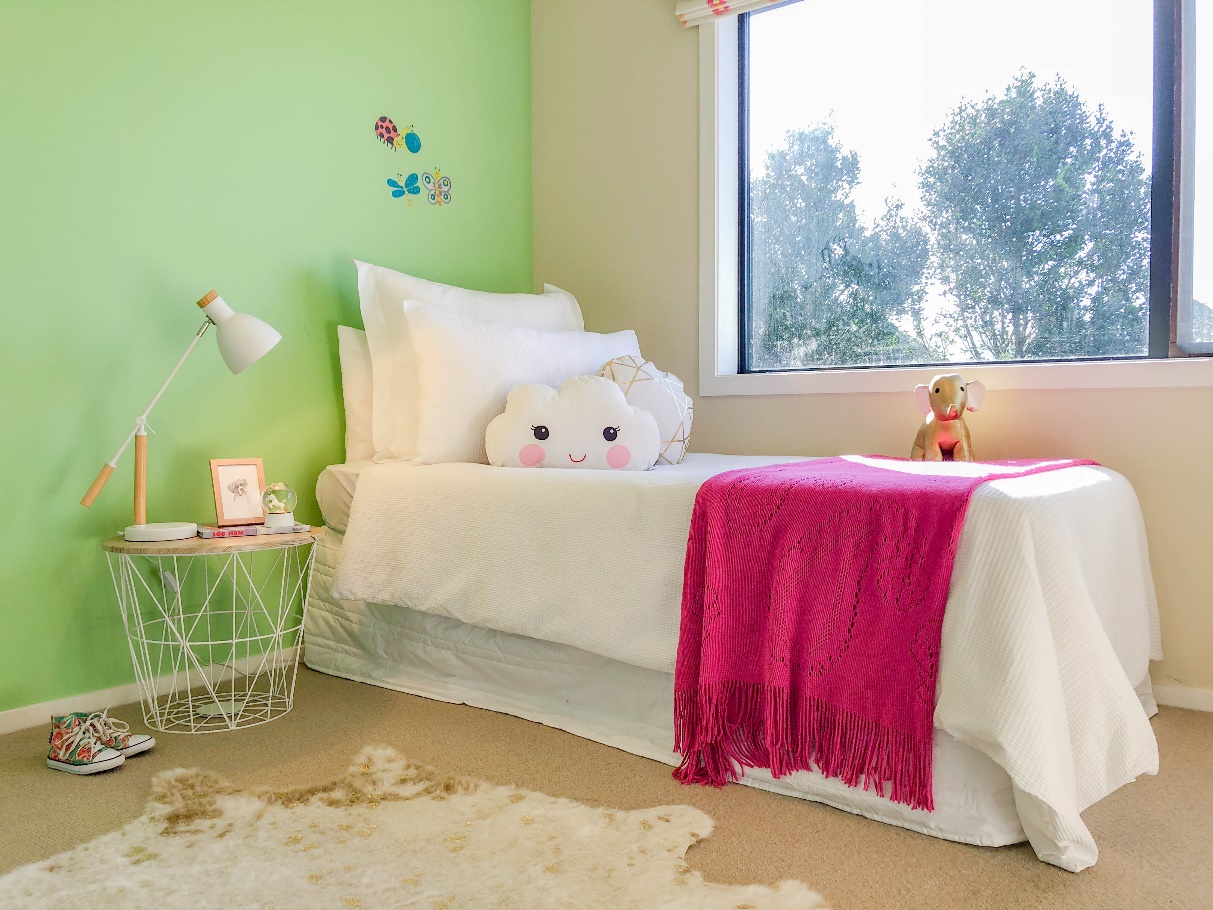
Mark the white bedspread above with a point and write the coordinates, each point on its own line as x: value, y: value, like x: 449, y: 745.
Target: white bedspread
x: 1050, y: 626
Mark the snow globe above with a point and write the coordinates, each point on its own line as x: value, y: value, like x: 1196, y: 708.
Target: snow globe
x: 279, y: 502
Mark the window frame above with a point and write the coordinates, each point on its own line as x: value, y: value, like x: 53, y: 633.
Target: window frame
x: 724, y: 239
x: 1184, y: 137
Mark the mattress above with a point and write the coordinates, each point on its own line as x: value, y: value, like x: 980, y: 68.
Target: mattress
x: 1050, y: 626
x: 335, y: 493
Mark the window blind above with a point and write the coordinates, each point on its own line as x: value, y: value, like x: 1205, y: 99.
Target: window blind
x: 696, y: 12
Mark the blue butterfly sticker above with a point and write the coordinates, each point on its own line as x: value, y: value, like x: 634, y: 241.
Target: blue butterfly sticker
x: 406, y: 189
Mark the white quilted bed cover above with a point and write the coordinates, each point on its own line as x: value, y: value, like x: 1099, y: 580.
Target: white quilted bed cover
x: 1050, y: 627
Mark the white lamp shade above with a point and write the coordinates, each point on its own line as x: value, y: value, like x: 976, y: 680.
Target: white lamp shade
x: 243, y: 339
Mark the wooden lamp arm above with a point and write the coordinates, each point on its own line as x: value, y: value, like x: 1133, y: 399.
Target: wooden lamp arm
x: 107, y: 471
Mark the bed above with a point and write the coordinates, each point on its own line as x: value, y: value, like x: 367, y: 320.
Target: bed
x: 554, y: 596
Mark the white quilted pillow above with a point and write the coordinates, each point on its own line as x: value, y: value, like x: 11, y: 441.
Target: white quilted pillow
x: 356, y: 392
x: 587, y: 424
x: 660, y: 394
x: 466, y: 368
x: 381, y: 293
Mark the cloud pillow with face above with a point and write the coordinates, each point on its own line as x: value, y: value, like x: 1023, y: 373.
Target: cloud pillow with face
x: 587, y: 424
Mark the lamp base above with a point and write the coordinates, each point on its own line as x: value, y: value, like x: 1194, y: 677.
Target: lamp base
x: 279, y: 519
x: 161, y: 530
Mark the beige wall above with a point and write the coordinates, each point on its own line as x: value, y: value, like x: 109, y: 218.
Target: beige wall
x: 615, y: 130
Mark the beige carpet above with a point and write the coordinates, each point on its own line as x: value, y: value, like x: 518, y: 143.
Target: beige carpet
x: 1155, y: 836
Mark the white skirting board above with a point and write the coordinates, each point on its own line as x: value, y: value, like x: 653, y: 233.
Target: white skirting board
x: 1173, y: 696
x: 36, y: 715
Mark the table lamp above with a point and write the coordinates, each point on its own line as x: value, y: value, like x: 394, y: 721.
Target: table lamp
x: 243, y: 340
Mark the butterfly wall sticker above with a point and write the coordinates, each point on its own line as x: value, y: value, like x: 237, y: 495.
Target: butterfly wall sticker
x: 438, y: 188
x: 406, y: 189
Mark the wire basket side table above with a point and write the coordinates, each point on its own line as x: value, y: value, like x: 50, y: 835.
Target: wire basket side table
x: 214, y: 626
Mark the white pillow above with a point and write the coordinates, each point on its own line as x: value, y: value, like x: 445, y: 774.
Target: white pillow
x: 587, y: 424
x: 467, y: 368
x: 355, y: 359
x: 393, y: 356
x: 662, y: 395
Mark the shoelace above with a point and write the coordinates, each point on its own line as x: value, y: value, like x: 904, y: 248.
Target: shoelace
x: 106, y: 728
x: 83, y: 735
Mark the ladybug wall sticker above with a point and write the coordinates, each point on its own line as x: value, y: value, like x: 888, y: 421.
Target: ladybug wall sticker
x: 387, y: 133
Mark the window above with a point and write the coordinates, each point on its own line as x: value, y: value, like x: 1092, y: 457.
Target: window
x: 938, y: 181
x: 889, y: 186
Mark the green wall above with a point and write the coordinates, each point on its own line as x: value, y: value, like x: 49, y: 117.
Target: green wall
x: 150, y: 151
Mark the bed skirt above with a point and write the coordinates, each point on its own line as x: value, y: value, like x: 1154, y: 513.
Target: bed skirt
x: 606, y: 701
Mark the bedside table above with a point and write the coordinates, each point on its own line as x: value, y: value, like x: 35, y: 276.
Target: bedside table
x: 214, y: 626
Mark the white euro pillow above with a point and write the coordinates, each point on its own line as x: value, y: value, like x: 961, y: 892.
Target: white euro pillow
x: 466, y: 368
x: 381, y: 294
x: 355, y: 357
x: 587, y: 424
x: 662, y: 395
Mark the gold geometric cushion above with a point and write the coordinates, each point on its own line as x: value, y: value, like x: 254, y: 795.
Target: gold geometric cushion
x: 662, y: 395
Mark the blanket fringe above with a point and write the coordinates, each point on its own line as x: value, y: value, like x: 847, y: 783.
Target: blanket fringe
x: 721, y: 728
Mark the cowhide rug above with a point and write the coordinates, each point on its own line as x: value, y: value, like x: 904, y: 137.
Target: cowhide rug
x: 390, y: 834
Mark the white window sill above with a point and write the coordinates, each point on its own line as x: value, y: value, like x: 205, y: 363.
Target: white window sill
x: 1087, y: 375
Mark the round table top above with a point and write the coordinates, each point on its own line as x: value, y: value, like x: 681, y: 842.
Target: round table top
x: 200, y: 546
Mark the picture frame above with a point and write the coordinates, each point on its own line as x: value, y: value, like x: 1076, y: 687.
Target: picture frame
x: 238, y: 484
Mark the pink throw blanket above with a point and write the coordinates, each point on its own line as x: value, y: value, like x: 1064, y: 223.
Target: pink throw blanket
x: 812, y: 610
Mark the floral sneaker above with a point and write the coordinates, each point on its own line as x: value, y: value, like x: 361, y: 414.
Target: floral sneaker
x: 116, y: 734
x: 75, y: 748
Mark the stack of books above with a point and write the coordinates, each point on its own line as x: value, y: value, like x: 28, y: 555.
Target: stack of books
x: 209, y: 531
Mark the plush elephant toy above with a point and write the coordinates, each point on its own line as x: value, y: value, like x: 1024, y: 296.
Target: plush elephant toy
x: 944, y: 436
